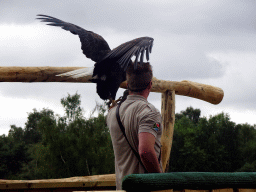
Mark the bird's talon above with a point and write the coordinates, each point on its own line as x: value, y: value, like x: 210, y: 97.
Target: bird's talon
x: 111, y: 104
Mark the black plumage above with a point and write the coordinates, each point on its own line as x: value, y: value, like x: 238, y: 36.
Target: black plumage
x: 109, y: 69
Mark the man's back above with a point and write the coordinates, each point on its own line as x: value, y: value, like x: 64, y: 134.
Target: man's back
x: 137, y: 115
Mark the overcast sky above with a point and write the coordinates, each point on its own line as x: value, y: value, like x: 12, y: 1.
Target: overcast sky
x: 210, y: 42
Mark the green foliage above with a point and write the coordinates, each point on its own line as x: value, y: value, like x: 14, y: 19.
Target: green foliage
x: 213, y: 145
x: 190, y: 113
x: 72, y: 107
x: 13, y: 153
x: 51, y: 146
x: 248, y: 167
x: 72, y: 145
x: 32, y: 134
x: 185, y: 152
x: 16, y: 134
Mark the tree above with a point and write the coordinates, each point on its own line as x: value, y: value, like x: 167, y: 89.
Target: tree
x: 190, y: 113
x: 219, y: 138
x: 52, y: 146
x: 72, y: 145
x: 210, y: 145
x: 32, y: 134
x: 72, y: 107
x: 185, y: 149
x: 247, y: 146
x: 13, y: 153
x: 16, y: 134
x: 4, y: 156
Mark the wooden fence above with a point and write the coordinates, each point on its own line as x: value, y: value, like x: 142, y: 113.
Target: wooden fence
x: 172, y: 182
x: 168, y: 89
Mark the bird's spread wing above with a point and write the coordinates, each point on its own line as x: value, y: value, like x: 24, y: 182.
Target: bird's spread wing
x: 93, y: 45
x: 126, y: 51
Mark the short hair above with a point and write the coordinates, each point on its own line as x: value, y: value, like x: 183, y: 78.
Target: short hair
x: 138, y: 79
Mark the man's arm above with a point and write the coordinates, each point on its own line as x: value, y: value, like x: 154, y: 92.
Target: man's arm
x: 147, y: 152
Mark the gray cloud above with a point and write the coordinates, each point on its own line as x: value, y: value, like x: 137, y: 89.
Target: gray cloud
x: 199, y: 17
x: 186, y: 33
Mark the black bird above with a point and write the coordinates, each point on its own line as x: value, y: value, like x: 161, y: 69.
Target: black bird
x: 109, y: 70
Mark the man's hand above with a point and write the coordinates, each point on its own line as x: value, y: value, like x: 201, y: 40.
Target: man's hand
x: 147, y: 152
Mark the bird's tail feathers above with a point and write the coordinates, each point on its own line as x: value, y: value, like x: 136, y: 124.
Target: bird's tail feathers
x: 84, y: 72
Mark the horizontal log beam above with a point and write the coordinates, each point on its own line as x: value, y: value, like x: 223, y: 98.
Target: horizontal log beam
x: 38, y: 74
x: 93, y: 182
x: 204, y: 92
x: 186, y: 182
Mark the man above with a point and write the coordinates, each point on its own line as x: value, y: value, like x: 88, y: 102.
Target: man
x: 142, y: 124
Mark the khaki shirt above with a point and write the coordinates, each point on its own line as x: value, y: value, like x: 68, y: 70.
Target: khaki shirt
x: 137, y: 115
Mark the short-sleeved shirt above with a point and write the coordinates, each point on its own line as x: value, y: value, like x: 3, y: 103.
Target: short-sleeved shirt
x: 137, y: 115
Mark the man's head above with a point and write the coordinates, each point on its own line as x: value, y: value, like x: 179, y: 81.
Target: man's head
x: 139, y: 79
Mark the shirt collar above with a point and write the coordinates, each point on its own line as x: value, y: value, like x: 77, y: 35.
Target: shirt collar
x: 136, y: 97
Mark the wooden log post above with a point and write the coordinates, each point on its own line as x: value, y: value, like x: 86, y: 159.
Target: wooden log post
x: 204, y: 92
x: 168, y: 119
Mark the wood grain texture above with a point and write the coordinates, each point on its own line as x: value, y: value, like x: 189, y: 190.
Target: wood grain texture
x: 38, y: 74
x: 200, y: 91
x: 73, y: 182
x: 204, y: 92
x: 168, y: 119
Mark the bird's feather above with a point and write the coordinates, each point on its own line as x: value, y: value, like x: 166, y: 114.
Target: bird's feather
x: 93, y: 45
x: 132, y: 48
x: 84, y: 72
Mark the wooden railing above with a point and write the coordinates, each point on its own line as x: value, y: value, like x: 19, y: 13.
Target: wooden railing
x: 87, y: 183
x: 178, y: 182
x: 168, y: 89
